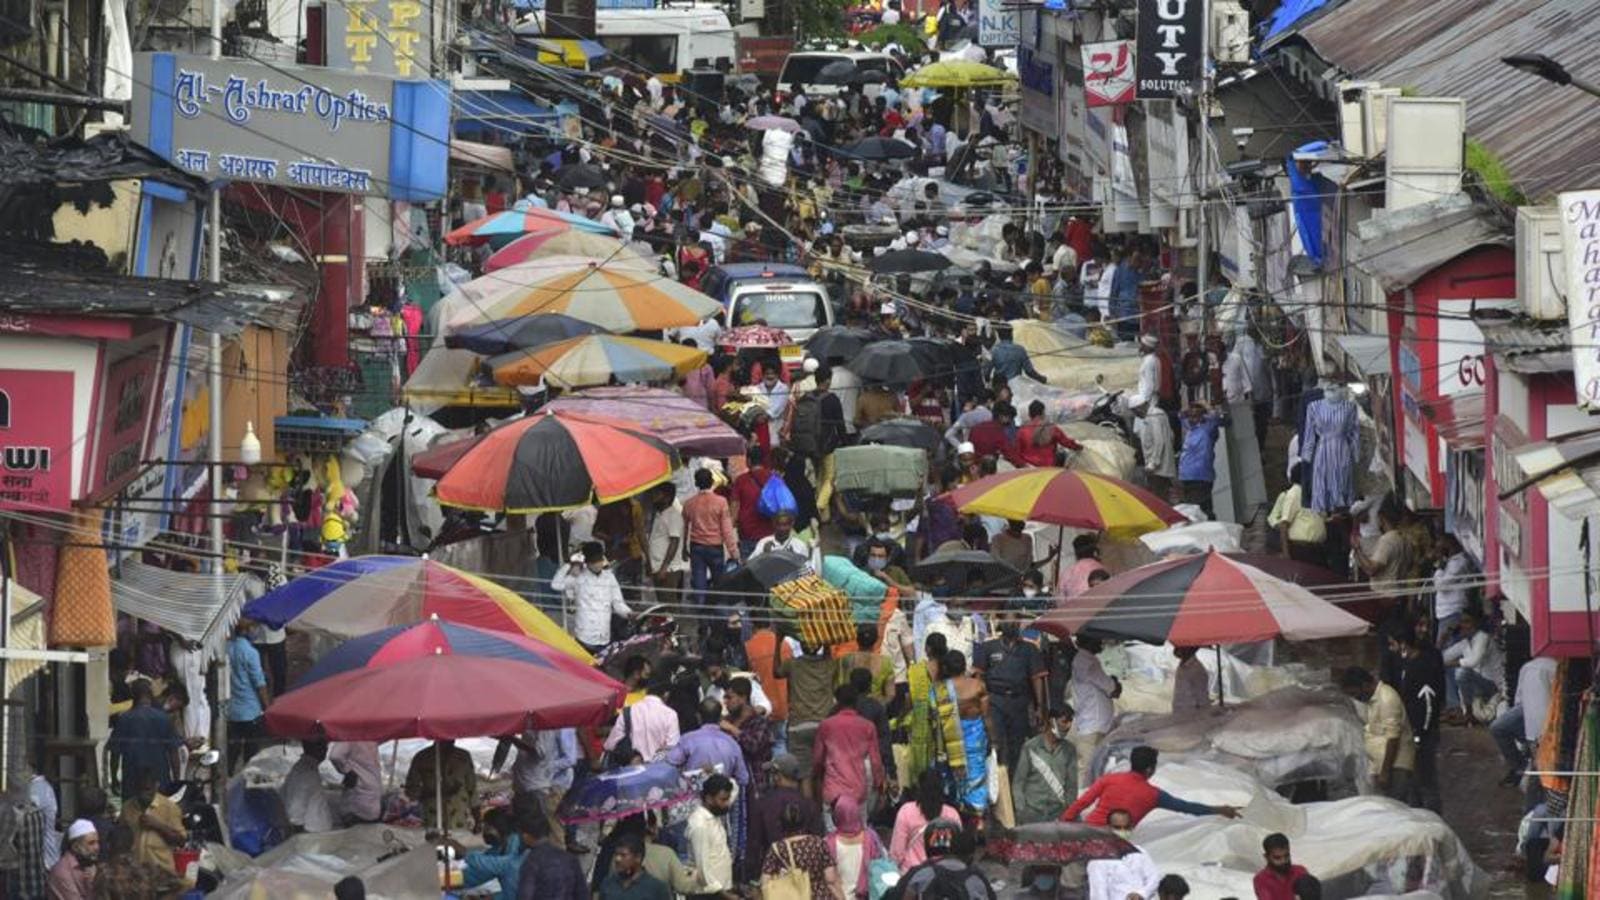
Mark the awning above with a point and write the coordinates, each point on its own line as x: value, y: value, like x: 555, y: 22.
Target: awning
x: 508, y: 112
x: 482, y: 156
x: 27, y: 633
x: 1369, y: 353
x: 183, y: 603
x: 1458, y: 419
x: 1566, y: 471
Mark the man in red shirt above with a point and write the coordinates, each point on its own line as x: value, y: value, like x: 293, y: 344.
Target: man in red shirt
x: 997, y: 437
x: 845, y: 746
x: 1037, y: 441
x: 1276, y: 880
x: 745, y: 497
x: 1132, y: 791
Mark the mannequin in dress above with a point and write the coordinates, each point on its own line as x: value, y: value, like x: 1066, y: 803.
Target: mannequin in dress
x: 1331, y: 444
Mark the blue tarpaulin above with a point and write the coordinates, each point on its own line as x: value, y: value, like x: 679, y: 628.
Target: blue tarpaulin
x: 1290, y: 12
x: 1306, y: 193
x: 507, y: 112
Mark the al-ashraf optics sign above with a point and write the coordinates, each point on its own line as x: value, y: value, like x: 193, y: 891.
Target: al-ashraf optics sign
x: 294, y: 126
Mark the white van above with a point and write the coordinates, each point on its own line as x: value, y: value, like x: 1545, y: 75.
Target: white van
x: 666, y: 41
x: 801, y: 69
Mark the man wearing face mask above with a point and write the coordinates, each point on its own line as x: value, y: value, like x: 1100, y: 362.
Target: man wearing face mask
x: 1046, y: 776
x: 593, y: 589
x: 1134, y: 875
x: 1013, y: 672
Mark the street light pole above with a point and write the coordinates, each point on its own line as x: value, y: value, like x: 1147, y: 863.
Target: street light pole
x: 1544, y: 67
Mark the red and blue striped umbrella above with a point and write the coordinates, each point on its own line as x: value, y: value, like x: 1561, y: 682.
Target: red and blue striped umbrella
x: 440, y: 680
x: 509, y: 224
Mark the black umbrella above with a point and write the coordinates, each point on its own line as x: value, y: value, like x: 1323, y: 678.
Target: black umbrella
x: 519, y: 333
x: 903, y: 432
x: 890, y: 362
x: 963, y: 567
x: 580, y: 175
x: 869, y: 76
x: 764, y: 572
x: 880, y: 148
x: 838, y: 72
x: 938, y: 355
x: 908, y: 261
x: 838, y: 343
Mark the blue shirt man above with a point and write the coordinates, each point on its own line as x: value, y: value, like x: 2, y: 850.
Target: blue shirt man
x: 1198, y: 459
x: 1008, y: 360
x: 1125, y: 295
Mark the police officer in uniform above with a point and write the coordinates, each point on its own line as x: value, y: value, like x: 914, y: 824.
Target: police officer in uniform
x: 1014, y: 672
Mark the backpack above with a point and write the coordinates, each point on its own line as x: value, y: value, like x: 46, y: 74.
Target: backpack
x: 776, y: 498
x: 805, y: 426
x: 791, y: 882
x: 622, y: 754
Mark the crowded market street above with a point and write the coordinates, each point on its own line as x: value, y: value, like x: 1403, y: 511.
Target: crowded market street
x: 947, y: 449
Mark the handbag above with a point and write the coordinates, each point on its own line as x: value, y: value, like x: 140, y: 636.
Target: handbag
x: 791, y: 882
x: 622, y: 754
x: 1005, y: 810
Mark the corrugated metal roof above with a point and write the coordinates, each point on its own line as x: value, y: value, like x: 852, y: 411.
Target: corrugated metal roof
x: 1452, y: 48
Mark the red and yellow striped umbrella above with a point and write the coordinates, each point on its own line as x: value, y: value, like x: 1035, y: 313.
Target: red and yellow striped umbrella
x: 1070, y: 498
x: 595, y: 359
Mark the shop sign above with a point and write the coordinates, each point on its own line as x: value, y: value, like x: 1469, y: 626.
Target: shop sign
x: 1580, y: 243
x: 35, y: 439
x: 1169, y: 54
x: 997, y: 24
x: 123, y: 421
x: 1038, y: 109
x: 1108, y: 73
x: 386, y: 37
x: 301, y: 127
x: 1464, y: 503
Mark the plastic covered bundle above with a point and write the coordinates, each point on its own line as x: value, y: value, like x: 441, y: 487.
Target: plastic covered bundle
x: 1289, y: 735
x: 391, y: 863
x: 880, y: 470
x: 815, y: 610
x: 1073, y: 364
x: 1147, y: 672
x: 866, y: 593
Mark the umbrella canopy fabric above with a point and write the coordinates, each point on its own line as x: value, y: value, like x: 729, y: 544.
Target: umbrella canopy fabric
x: 618, y: 298
x: 543, y: 244
x: 773, y: 123
x: 596, y: 359
x: 903, y: 432
x: 520, y: 333
x: 838, y: 343
x: 765, y: 572
x: 880, y: 148
x: 512, y: 223
x: 1057, y: 843
x: 580, y: 175
x: 957, y: 73
x: 837, y: 72
x: 1065, y: 497
x: 909, y: 261
x: 1198, y: 601
x: 624, y: 792
x: 554, y: 462
x: 754, y: 336
x: 438, y: 680
x: 959, y: 566
x: 674, y: 418
x: 890, y: 362
x: 367, y: 593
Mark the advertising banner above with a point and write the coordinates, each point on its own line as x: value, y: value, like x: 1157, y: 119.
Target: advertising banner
x: 1108, y: 73
x: 384, y: 37
x: 1580, y: 244
x: 1170, y: 51
x: 294, y: 126
x: 35, y: 439
x: 997, y: 24
x: 1038, y: 110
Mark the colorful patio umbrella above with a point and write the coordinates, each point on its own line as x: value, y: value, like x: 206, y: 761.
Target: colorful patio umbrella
x: 957, y: 73
x: 366, y: 593
x: 619, y: 298
x: 520, y: 333
x: 514, y: 223
x: 572, y: 242
x: 624, y: 792
x: 441, y: 681
x: 1199, y: 601
x: 669, y: 415
x: 596, y: 359
x: 553, y: 462
x: 1065, y: 497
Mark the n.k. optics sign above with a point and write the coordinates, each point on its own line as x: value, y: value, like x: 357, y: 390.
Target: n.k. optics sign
x: 1170, y: 51
x: 302, y: 127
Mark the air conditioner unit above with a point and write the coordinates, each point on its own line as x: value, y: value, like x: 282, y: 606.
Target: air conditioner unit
x: 1426, y: 152
x: 1352, y: 125
x: 1230, y: 32
x: 1375, y: 119
x: 1541, y: 264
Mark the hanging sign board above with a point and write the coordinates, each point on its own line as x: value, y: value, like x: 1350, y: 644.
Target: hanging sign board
x: 1580, y: 245
x: 1108, y: 73
x: 1170, y: 51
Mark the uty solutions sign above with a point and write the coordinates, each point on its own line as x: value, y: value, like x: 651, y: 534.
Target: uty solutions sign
x: 294, y: 126
x: 1170, y: 51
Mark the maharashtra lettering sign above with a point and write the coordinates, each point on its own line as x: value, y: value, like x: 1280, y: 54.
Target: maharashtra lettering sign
x: 1108, y: 73
x: 1580, y: 244
x: 302, y: 127
x: 35, y: 439
x: 1170, y: 51
x: 997, y: 24
x: 387, y: 37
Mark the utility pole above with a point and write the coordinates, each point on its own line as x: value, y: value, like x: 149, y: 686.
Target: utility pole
x: 1203, y: 267
x: 214, y: 381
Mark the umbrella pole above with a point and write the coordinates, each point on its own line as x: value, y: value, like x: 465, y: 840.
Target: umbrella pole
x: 1061, y: 555
x: 1221, y: 701
x: 561, y: 560
x: 438, y: 792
